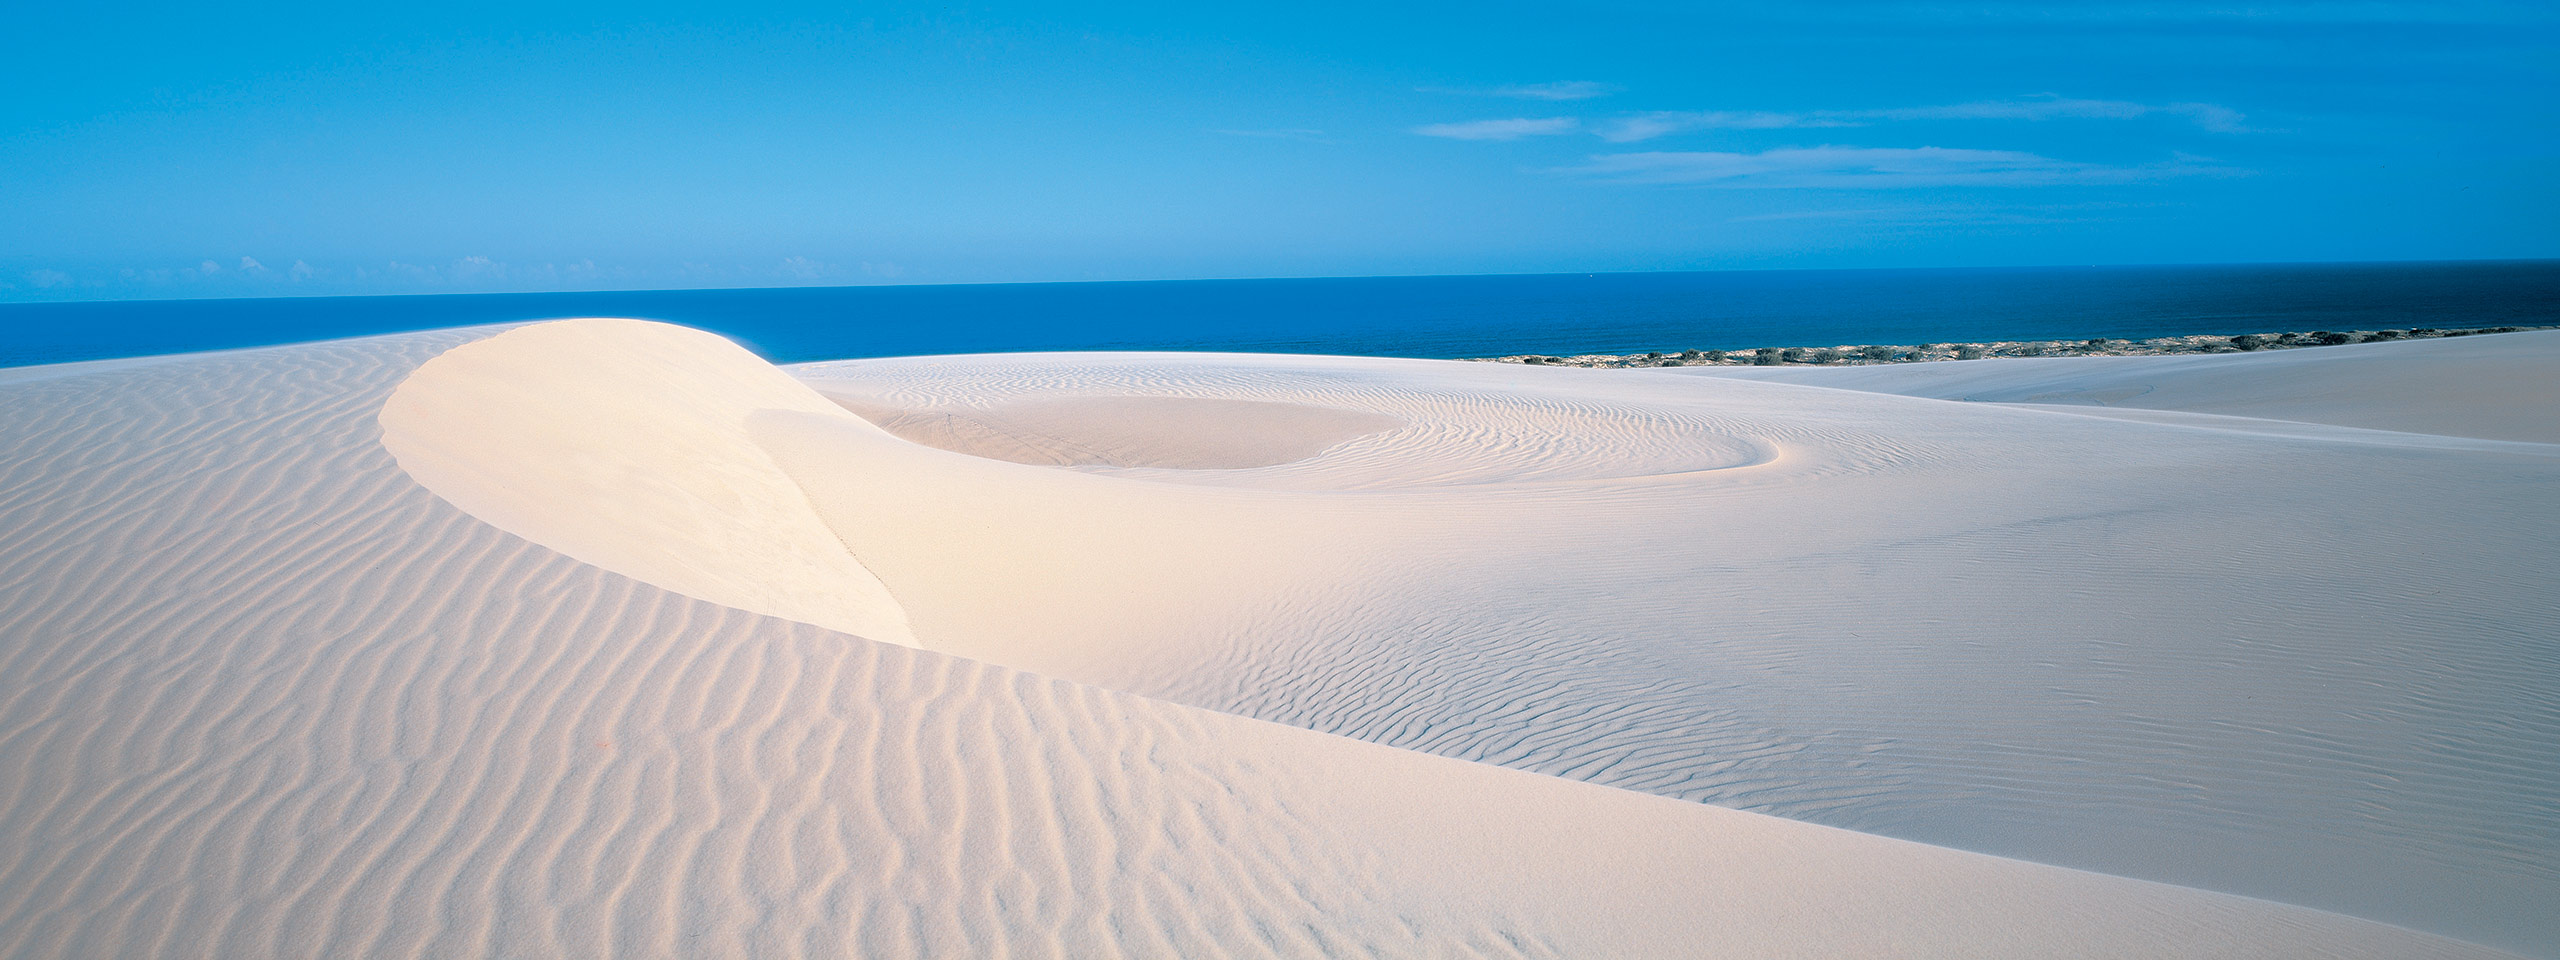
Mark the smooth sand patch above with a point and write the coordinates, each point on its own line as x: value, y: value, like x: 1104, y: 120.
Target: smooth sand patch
x: 2491, y: 387
x: 263, y: 694
x: 622, y: 443
x: 1183, y: 433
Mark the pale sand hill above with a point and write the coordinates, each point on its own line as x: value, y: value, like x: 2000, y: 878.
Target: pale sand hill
x: 262, y: 694
x: 2317, y: 669
x: 2497, y: 387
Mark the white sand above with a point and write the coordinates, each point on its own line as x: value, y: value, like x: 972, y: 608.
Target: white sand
x: 264, y: 694
x: 2491, y: 386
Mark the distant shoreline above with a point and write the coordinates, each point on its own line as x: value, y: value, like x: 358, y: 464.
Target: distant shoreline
x: 1869, y: 354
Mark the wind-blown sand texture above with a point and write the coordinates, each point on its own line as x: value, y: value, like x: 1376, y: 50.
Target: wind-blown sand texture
x: 516, y: 643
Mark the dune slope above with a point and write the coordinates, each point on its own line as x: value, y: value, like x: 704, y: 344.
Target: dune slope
x: 2495, y: 386
x: 263, y: 694
x: 2313, y: 665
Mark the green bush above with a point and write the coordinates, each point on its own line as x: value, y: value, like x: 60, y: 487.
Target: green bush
x: 1714, y: 356
x: 1968, y: 352
x: 2248, y: 341
x: 1792, y: 354
x: 1767, y: 357
x: 1876, y: 352
x: 2329, y: 339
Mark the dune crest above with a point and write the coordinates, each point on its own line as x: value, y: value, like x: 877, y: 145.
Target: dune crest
x: 622, y: 443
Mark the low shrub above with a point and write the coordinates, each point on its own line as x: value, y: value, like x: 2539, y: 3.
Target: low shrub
x: 1968, y: 352
x: 1792, y: 354
x: 1824, y: 355
x: 2330, y: 339
x: 1876, y: 352
x: 2385, y: 335
x: 2248, y: 341
x: 1767, y: 357
x: 1714, y: 356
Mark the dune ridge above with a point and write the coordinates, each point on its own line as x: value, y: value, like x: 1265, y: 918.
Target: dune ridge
x: 617, y: 442
x: 266, y: 694
x: 2503, y: 390
x: 2262, y: 661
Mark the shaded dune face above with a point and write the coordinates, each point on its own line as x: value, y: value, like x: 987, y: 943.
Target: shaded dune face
x: 622, y: 443
x: 2056, y: 648
x: 1181, y: 433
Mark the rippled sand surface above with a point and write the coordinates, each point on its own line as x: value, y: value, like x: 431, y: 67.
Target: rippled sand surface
x: 607, y: 638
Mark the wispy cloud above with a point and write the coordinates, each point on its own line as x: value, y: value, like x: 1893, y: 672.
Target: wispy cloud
x: 1646, y: 126
x: 1286, y: 133
x: 1954, y: 214
x: 2214, y: 117
x: 1512, y: 129
x: 1550, y: 92
x: 1871, y: 168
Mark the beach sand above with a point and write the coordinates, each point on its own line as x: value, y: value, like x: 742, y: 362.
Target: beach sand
x: 605, y: 637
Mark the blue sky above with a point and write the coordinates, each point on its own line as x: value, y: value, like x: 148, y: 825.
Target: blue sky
x: 271, y: 150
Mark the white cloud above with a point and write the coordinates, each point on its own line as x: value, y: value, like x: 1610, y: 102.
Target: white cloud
x: 2219, y: 119
x: 1567, y: 90
x: 1551, y: 92
x: 46, y: 278
x: 250, y: 265
x: 1646, y: 126
x: 301, y: 271
x: 1869, y: 168
x: 1298, y: 134
x: 1512, y: 129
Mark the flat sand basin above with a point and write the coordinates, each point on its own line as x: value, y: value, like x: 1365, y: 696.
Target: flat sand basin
x: 1183, y: 433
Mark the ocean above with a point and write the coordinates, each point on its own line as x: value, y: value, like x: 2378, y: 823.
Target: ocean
x: 1458, y: 316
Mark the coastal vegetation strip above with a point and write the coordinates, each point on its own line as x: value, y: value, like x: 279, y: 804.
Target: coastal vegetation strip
x: 1852, y: 354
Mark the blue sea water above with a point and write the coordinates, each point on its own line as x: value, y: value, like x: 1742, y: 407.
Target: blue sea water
x: 1464, y: 316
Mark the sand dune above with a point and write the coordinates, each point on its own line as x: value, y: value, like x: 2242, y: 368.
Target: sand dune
x: 2295, y: 667
x: 2496, y: 387
x: 1186, y: 433
x: 483, y: 643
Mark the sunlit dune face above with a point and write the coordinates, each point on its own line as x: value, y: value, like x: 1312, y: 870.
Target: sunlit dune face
x: 1187, y: 433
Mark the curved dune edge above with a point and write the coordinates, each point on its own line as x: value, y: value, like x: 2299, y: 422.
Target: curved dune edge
x: 373, y: 726
x: 621, y: 443
x: 1179, y: 433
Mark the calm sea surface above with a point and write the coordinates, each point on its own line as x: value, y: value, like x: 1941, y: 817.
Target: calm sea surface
x: 1391, y: 316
